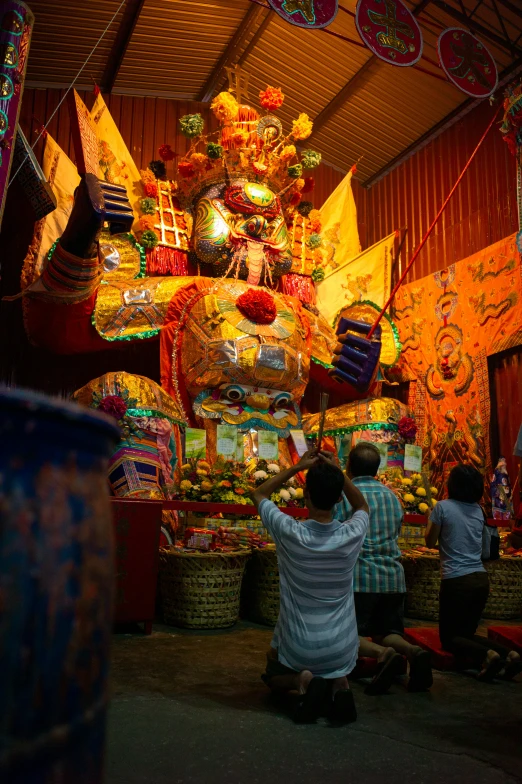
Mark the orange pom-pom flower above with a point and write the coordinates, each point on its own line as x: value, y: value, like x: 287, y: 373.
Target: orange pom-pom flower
x: 271, y: 99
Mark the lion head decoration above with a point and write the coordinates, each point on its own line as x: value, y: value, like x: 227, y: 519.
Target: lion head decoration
x: 245, y: 357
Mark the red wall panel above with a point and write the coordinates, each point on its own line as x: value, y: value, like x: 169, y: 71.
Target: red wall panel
x: 482, y: 211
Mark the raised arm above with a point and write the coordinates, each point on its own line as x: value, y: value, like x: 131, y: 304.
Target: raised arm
x: 275, y: 482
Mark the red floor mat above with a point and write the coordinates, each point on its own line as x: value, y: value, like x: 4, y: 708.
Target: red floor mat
x: 510, y: 636
x: 428, y: 638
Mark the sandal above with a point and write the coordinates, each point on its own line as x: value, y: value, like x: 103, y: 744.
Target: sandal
x: 512, y: 669
x: 343, y: 710
x: 311, y: 704
x: 386, y: 674
x: 492, y: 670
x: 421, y: 676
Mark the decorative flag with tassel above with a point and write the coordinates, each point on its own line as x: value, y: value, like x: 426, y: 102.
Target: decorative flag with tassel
x: 115, y: 161
x: 339, y: 225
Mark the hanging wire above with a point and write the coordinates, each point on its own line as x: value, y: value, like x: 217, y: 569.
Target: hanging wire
x: 44, y: 128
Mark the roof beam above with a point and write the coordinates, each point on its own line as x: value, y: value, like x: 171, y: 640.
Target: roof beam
x: 255, y: 16
x: 342, y: 96
x: 353, y: 84
x: 511, y: 6
x: 131, y: 14
x: 473, y: 25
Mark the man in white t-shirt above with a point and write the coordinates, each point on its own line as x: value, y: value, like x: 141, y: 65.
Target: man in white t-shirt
x: 315, y: 642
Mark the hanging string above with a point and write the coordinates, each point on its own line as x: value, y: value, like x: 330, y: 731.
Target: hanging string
x: 44, y: 128
x: 436, y: 219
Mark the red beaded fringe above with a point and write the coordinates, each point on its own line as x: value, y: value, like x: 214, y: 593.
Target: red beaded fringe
x: 167, y: 261
x: 300, y: 286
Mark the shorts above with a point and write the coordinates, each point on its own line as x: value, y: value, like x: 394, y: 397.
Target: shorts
x: 275, y: 667
x: 379, y: 614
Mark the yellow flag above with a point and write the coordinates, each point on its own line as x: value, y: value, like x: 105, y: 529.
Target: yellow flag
x: 62, y: 175
x: 116, y: 164
x: 365, y: 277
x: 339, y: 226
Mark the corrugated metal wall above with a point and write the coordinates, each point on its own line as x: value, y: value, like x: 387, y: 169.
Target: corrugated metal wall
x: 482, y: 211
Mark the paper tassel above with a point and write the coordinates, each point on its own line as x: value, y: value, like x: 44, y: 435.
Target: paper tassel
x: 299, y: 286
x: 167, y: 261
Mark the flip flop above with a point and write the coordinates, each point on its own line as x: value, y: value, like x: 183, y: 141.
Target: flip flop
x: 492, y: 670
x: 311, y: 705
x: 386, y: 674
x: 512, y: 669
x: 421, y: 676
x: 343, y: 710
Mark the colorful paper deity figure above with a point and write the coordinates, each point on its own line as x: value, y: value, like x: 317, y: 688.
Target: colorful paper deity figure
x: 233, y: 350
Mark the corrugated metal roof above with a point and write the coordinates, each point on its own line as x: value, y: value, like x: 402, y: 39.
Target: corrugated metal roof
x: 64, y: 34
x: 176, y: 46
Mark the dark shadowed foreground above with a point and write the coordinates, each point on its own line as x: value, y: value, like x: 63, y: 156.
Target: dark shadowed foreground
x: 190, y: 707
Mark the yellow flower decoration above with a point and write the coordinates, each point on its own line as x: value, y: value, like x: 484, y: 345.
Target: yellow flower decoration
x: 433, y: 490
x: 423, y: 508
x: 299, y: 492
x: 225, y: 107
x: 206, y: 485
x: 186, y: 484
x: 406, y: 481
x: 199, y: 160
x: 287, y: 152
x: 434, y: 502
x: 421, y: 491
x: 302, y: 127
x: 299, y: 184
x: 203, y: 464
x: 201, y: 472
x: 408, y: 497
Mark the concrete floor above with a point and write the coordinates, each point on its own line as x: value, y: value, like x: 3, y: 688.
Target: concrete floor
x: 190, y: 707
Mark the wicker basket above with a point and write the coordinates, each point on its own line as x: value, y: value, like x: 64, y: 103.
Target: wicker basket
x: 505, y: 588
x: 261, y: 587
x: 201, y: 590
x: 423, y: 585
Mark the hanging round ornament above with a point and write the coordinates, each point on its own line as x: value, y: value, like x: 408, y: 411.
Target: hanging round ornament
x: 389, y: 29
x: 306, y: 13
x: 467, y: 62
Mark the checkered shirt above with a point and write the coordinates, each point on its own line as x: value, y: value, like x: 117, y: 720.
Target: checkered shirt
x: 378, y: 569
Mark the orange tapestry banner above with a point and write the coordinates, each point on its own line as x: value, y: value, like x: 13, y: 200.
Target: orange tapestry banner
x: 449, y: 323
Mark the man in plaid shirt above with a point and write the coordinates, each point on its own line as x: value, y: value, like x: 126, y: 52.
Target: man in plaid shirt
x: 379, y: 585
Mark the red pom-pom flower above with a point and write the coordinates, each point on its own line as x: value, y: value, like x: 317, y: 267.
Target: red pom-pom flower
x: 407, y: 428
x: 257, y: 306
x: 113, y: 406
x: 309, y: 185
x: 151, y: 190
x: 186, y: 169
x: 166, y: 153
x: 295, y: 199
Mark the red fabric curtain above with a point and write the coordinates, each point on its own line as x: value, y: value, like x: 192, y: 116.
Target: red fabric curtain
x: 505, y: 374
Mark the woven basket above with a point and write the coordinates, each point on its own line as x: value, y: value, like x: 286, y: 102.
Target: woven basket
x: 423, y: 585
x: 505, y: 588
x: 201, y: 590
x: 261, y: 587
